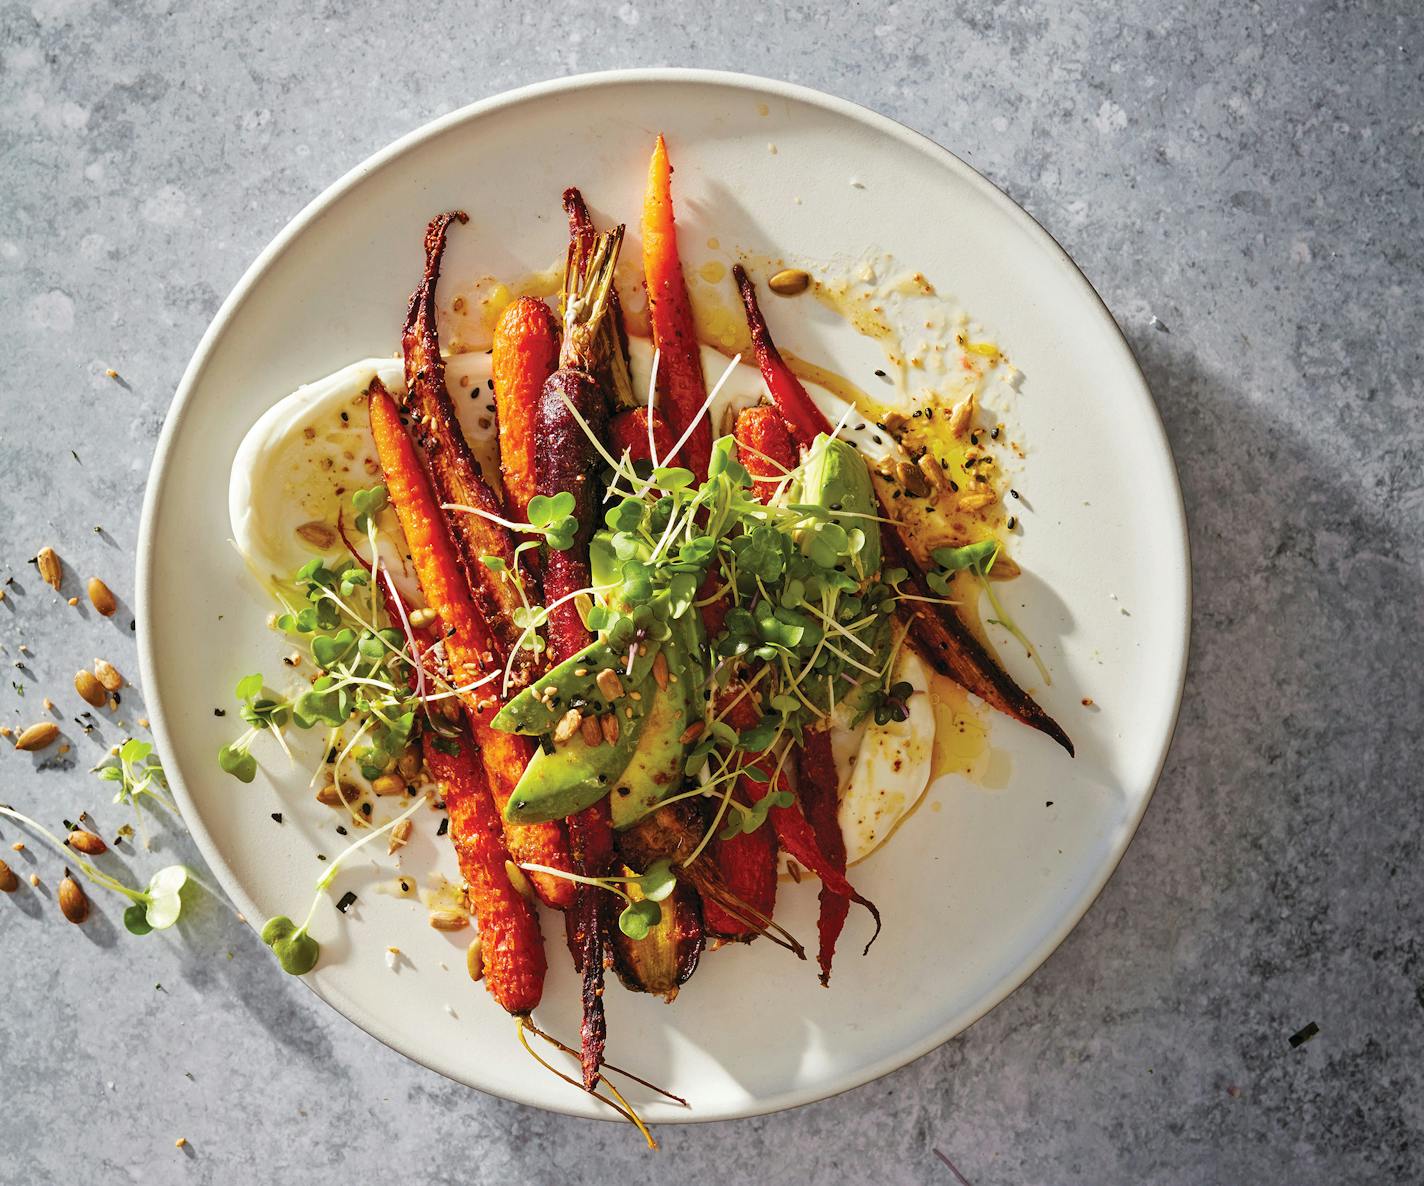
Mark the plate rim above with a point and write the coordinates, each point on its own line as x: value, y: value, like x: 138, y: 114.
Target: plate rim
x: 876, y: 121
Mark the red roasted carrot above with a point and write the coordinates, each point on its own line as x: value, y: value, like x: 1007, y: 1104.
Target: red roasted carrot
x: 795, y: 406
x: 817, y: 783
x: 946, y: 643
x: 525, y: 354
x: 628, y: 430
x: 468, y: 645
x: 512, y: 949
x: 746, y: 861
x: 765, y: 448
x: 451, y: 464
x: 681, y: 385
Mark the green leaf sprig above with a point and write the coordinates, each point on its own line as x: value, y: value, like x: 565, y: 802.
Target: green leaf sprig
x: 156, y: 907
x: 140, y: 776
x: 979, y: 558
x: 364, y: 664
x: 296, y: 951
x: 640, y: 914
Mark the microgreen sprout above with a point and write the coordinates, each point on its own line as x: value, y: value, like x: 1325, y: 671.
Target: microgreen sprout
x: 549, y: 515
x: 640, y: 914
x: 979, y: 558
x: 140, y: 776
x: 153, y: 908
x: 296, y: 951
x: 364, y: 664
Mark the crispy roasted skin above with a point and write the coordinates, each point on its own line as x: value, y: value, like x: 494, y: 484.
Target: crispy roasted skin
x: 512, y: 948
x: 524, y: 354
x: 609, y: 364
x: 468, y: 646
x: 945, y: 642
x: 680, y: 378
x: 820, y: 800
x: 566, y: 461
x: 662, y: 962
x: 452, y: 466
x: 765, y: 448
x: 747, y: 861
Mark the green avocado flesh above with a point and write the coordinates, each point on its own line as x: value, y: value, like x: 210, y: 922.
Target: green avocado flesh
x: 537, y: 709
x: 655, y: 770
x: 836, y: 477
x: 573, y: 774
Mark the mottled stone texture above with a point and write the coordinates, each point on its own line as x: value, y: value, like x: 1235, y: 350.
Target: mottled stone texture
x: 1248, y: 174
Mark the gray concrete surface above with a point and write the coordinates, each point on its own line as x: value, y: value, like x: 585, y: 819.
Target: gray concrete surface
x: 1248, y: 174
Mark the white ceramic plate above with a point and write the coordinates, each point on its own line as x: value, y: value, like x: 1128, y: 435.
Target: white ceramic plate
x: 983, y: 884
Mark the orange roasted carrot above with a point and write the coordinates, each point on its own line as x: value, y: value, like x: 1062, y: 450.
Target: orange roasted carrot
x: 452, y: 467
x: 468, y: 644
x: 525, y: 354
x: 512, y: 948
x: 682, y: 389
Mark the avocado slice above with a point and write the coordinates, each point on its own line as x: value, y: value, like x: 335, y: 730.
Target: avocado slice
x: 574, y: 775
x: 836, y: 477
x: 655, y: 770
x: 537, y: 709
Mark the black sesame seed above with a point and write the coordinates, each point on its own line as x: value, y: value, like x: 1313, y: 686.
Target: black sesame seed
x: 994, y: 433
x: 1013, y: 493
x: 346, y: 901
x: 219, y: 712
x: 366, y: 810
x: 340, y: 829
x: 276, y: 817
x: 1013, y: 522
x: 321, y: 856
x: 444, y: 826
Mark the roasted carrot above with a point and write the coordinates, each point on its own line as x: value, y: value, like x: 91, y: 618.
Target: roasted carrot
x: 672, y: 833
x: 567, y: 461
x: 682, y: 387
x: 452, y: 466
x: 512, y: 949
x: 746, y: 861
x: 946, y: 643
x: 817, y: 784
x: 468, y: 645
x: 525, y: 354
x: 662, y: 961
x: 628, y: 430
x: 608, y: 360
x: 765, y: 448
